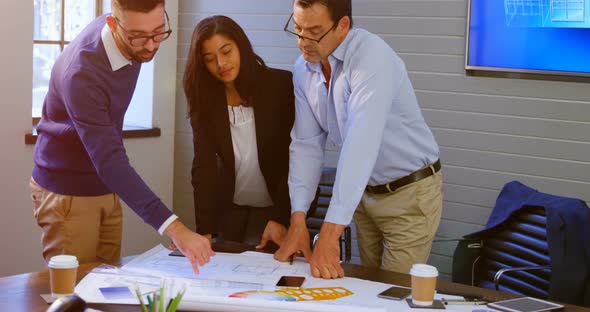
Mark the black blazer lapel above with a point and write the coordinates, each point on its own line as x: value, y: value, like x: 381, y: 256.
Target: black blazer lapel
x: 266, y: 119
x: 261, y: 120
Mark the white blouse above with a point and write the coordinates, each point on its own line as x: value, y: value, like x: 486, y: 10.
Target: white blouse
x: 250, y: 188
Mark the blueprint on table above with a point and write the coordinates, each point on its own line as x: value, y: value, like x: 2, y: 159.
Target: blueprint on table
x: 222, y: 267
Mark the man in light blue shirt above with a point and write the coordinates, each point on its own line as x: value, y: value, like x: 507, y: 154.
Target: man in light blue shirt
x: 351, y: 88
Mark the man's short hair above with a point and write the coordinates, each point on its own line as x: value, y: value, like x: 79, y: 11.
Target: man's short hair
x: 337, y: 8
x: 143, y: 6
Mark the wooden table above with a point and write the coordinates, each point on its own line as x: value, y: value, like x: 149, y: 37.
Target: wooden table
x: 22, y: 292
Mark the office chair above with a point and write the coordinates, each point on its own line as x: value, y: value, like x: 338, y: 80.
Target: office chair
x: 534, y: 244
x: 317, y: 213
x: 513, y: 257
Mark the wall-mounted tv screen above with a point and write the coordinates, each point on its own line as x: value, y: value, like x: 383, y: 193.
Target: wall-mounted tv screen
x: 531, y: 36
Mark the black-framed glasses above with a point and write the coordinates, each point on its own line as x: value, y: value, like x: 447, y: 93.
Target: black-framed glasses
x: 140, y: 41
x: 291, y: 32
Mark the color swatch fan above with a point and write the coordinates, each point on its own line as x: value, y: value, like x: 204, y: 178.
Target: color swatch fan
x: 299, y: 294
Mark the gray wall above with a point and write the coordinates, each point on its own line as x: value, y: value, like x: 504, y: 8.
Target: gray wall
x: 490, y: 130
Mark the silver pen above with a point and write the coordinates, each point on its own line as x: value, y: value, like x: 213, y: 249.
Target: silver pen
x: 463, y: 301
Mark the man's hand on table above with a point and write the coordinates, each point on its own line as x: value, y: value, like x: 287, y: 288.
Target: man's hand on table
x: 325, y: 260
x: 196, y: 247
x: 296, y: 240
x: 173, y: 246
x: 273, y: 231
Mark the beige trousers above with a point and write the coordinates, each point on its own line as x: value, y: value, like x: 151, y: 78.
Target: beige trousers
x: 395, y: 230
x: 88, y: 227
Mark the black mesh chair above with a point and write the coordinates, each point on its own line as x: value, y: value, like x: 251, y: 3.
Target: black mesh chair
x: 317, y: 213
x: 535, y: 244
x: 513, y: 257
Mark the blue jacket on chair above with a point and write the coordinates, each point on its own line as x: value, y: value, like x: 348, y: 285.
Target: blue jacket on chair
x: 568, y: 237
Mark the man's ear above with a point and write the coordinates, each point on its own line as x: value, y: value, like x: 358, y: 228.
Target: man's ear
x: 112, y: 23
x: 344, y: 23
x: 343, y: 27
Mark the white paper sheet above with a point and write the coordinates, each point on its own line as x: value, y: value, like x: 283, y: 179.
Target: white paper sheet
x: 89, y: 287
x: 231, y: 273
x: 365, y: 295
x: 198, y: 298
x: 215, y: 304
x: 222, y: 267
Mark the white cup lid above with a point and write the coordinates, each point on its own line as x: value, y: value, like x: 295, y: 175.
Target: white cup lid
x: 63, y: 262
x: 423, y: 270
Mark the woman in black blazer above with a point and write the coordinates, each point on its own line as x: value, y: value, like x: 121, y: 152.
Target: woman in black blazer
x: 241, y: 113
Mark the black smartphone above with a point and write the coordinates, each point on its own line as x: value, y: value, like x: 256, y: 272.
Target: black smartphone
x: 291, y: 281
x: 176, y: 253
x: 395, y: 293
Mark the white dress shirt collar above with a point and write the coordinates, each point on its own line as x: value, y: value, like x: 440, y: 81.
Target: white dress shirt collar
x: 114, y: 55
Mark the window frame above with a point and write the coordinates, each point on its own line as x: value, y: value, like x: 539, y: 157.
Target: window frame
x: 98, y: 11
x: 62, y: 42
x: 128, y: 131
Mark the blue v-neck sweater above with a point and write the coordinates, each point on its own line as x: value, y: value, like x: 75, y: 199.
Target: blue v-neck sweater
x: 79, y: 149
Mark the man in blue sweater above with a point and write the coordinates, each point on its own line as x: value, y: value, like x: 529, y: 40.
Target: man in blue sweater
x: 81, y: 167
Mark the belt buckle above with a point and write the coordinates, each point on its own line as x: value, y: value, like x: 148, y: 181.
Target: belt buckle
x: 389, y: 188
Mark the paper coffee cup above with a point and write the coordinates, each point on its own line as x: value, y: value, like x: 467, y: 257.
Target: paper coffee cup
x: 423, y: 284
x: 62, y: 274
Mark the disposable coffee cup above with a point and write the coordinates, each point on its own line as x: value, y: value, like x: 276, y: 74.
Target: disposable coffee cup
x: 423, y: 284
x: 62, y: 275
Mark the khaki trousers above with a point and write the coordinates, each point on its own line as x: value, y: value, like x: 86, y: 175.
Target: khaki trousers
x: 88, y: 227
x: 395, y: 230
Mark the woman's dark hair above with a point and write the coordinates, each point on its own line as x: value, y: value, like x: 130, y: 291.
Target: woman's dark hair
x: 199, y: 85
x: 337, y: 8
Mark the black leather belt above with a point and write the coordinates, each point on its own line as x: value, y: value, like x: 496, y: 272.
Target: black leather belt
x: 413, y: 177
